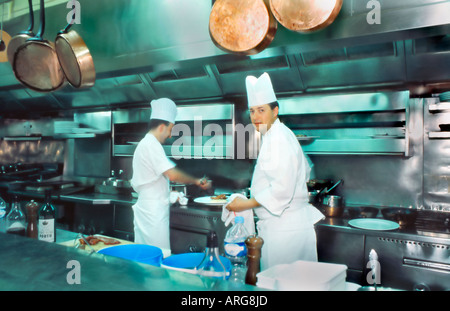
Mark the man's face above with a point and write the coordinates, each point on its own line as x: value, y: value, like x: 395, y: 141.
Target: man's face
x: 167, y: 132
x: 263, y: 117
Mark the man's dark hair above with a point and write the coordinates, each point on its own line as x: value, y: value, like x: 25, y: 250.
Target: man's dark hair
x: 273, y: 105
x: 154, y: 123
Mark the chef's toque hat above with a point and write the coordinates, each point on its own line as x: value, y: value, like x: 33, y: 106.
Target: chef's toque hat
x: 259, y: 90
x: 163, y: 109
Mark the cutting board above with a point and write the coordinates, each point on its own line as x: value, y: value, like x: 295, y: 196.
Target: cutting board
x: 96, y: 247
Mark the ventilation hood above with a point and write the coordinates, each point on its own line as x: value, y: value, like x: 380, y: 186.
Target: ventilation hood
x: 148, y: 49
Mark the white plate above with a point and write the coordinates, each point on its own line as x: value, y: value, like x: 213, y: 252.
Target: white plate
x: 209, y: 201
x: 306, y: 137
x: 373, y: 224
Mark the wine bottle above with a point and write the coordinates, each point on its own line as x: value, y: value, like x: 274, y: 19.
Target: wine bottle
x: 47, y: 220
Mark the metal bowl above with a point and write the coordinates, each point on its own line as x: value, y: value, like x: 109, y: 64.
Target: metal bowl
x: 363, y: 212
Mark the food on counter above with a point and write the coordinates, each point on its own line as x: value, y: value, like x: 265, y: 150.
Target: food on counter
x: 219, y: 197
x: 92, y: 240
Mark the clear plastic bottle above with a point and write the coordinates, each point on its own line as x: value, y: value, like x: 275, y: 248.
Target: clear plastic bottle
x: 236, y: 250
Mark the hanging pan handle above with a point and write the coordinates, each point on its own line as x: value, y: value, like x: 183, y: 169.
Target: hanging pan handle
x: 66, y: 29
x: 40, y: 34
x: 31, y: 14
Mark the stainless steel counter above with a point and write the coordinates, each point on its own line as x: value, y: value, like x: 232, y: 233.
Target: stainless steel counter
x: 28, y: 264
x: 410, y: 258
x: 411, y: 233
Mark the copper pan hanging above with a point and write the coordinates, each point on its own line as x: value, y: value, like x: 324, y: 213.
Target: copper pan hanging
x: 243, y: 27
x: 22, y: 36
x: 305, y: 15
x: 75, y: 58
x: 36, y: 64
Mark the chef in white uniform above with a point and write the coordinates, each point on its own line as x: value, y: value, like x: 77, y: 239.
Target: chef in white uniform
x: 152, y: 171
x: 279, y: 194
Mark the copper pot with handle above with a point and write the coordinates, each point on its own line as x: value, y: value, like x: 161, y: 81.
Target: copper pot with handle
x: 75, y: 58
x: 22, y: 36
x: 36, y: 64
x: 305, y: 15
x: 244, y: 27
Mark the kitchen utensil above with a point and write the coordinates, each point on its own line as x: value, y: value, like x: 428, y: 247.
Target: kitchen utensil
x: 21, y: 37
x: 373, y: 224
x: 319, y: 184
x: 81, y: 236
x: 403, y: 216
x: 332, y: 206
x: 334, y: 186
x: 243, y: 27
x: 305, y: 15
x: 74, y: 56
x: 363, y: 212
x: 36, y: 64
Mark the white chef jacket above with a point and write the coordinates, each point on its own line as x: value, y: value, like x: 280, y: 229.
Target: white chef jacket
x: 286, y: 219
x: 152, y: 209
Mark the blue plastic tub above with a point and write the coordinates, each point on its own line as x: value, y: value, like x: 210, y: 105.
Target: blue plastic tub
x: 188, y: 261
x: 148, y: 254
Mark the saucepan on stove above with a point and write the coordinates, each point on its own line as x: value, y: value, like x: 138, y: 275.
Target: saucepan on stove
x: 316, y: 196
x: 403, y: 216
x: 332, y: 206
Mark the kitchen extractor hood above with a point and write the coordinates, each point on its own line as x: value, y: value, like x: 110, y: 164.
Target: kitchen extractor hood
x: 148, y: 49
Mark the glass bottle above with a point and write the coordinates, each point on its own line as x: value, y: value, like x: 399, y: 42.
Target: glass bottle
x: 2, y: 208
x: 32, y: 211
x: 211, y: 268
x: 47, y: 220
x: 16, y: 221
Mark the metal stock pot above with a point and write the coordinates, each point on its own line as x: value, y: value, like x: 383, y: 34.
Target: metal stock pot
x: 332, y: 206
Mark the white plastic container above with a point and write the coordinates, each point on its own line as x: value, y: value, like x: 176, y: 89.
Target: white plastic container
x: 304, y: 276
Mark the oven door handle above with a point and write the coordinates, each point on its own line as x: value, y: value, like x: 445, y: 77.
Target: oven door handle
x: 426, y: 264
x: 190, y: 229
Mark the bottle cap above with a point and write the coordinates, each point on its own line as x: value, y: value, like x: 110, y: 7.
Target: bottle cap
x: 238, y: 220
x: 212, y: 240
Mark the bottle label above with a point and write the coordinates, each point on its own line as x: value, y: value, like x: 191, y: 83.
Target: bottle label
x: 235, y: 249
x: 46, y: 230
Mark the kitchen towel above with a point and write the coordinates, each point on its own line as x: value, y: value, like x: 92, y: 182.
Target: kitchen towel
x: 228, y: 216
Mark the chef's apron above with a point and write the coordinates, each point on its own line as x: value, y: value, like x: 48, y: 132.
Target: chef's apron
x: 151, y: 219
x: 290, y: 236
x: 151, y: 211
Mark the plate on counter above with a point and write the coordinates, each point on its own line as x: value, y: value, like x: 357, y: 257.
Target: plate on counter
x: 387, y: 136
x: 209, y: 201
x: 373, y: 224
x: 306, y: 137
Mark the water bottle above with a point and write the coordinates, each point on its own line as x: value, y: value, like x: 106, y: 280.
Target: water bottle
x: 236, y: 250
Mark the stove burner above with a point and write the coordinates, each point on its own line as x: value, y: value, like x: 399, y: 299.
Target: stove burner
x: 433, y: 222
